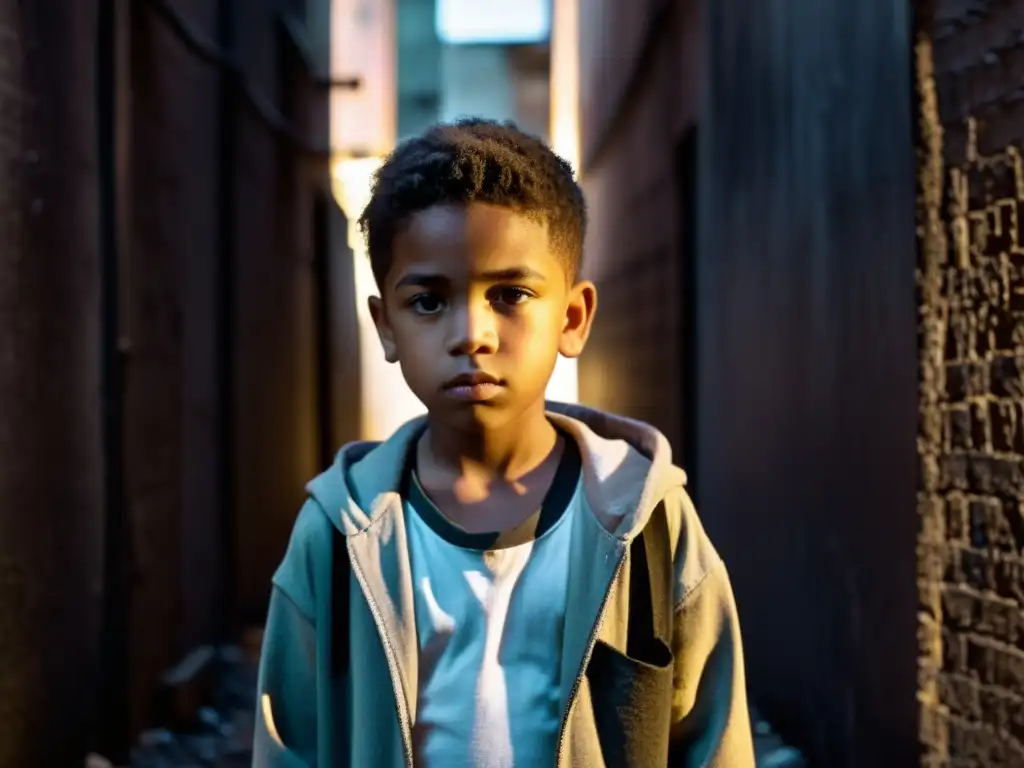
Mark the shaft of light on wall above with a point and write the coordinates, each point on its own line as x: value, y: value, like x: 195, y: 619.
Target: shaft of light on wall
x: 387, y: 401
x: 564, y: 127
x: 565, y: 140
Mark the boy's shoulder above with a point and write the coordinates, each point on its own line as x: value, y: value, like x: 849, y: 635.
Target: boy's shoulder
x: 694, y: 555
x: 308, y: 548
x: 338, y: 502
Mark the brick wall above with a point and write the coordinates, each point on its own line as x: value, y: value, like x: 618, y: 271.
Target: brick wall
x: 971, y: 283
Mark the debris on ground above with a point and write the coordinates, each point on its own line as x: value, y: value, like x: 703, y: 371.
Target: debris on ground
x: 220, y: 732
x: 770, y: 751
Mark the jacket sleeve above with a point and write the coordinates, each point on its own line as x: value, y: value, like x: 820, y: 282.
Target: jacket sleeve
x: 710, y: 717
x: 286, y: 704
x: 285, y: 735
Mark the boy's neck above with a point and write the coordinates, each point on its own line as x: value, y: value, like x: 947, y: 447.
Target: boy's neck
x: 507, y: 453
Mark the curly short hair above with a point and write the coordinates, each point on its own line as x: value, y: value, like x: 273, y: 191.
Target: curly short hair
x: 475, y: 160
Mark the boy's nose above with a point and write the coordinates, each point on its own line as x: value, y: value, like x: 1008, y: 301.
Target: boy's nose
x: 474, y: 331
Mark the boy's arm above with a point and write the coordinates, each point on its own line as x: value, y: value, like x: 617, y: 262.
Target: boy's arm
x: 285, y: 735
x: 710, y: 718
x: 286, y: 705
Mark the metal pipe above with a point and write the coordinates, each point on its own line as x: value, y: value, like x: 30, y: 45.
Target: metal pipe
x: 113, y: 735
x: 227, y: 16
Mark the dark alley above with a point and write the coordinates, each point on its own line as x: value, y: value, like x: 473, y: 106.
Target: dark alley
x: 804, y: 224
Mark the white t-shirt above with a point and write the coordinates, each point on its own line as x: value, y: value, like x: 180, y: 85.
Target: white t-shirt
x: 490, y: 610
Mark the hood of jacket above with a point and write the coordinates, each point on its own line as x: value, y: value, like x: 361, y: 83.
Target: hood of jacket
x: 627, y: 469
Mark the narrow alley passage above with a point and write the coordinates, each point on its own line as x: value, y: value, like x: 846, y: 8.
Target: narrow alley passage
x: 806, y: 225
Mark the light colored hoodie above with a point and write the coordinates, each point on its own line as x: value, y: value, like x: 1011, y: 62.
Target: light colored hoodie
x: 333, y: 699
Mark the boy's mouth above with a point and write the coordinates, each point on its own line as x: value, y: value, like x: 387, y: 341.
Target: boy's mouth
x: 475, y: 387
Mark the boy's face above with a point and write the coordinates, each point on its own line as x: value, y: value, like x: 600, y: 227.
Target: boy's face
x: 476, y: 308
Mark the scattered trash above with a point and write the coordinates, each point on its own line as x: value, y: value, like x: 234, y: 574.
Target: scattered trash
x: 219, y: 734
x: 770, y: 751
x: 783, y: 757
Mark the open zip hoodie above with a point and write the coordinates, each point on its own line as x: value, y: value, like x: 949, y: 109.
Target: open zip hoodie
x: 333, y: 699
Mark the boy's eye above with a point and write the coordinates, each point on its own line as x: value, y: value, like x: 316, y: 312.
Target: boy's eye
x: 512, y: 296
x: 426, y: 303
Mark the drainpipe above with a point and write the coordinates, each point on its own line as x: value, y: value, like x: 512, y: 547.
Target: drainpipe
x: 227, y: 127
x: 113, y: 732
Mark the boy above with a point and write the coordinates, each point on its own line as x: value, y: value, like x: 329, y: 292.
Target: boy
x: 504, y: 582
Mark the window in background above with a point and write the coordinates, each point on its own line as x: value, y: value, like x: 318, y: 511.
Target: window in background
x: 493, y: 21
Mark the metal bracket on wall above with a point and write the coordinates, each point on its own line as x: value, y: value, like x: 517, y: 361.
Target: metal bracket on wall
x: 211, y: 53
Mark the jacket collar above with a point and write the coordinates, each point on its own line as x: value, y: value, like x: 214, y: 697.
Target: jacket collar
x: 627, y: 467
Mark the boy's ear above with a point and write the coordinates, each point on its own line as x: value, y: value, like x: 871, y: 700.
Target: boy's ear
x: 579, y: 316
x: 380, y: 319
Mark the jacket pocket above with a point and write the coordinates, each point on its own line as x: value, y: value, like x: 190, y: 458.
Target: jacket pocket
x: 632, y: 704
x: 268, y: 749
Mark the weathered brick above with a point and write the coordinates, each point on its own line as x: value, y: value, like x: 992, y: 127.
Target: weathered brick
x: 1007, y: 422
x: 966, y: 380
x: 980, y: 657
x: 1007, y: 668
x: 991, y: 474
x: 928, y: 670
x: 934, y: 728
x: 931, y: 560
x: 1005, y: 333
x: 931, y: 510
x: 978, y: 742
x: 959, y: 607
x: 1008, y: 578
x: 981, y: 434
x: 962, y: 695
x: 959, y: 429
x: 957, y: 519
x: 959, y: 339
x: 1015, y: 714
x: 953, y: 472
x: 930, y: 471
x: 977, y: 569
x: 993, y: 704
x: 1000, y: 618
x: 954, y: 570
x: 954, y: 651
x: 990, y: 528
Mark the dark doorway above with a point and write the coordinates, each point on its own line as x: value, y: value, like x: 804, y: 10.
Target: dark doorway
x: 685, y: 173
